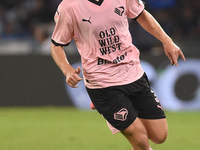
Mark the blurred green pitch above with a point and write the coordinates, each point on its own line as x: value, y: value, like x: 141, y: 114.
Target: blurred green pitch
x: 64, y: 128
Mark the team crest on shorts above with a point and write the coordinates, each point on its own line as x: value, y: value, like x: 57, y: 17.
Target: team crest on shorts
x: 121, y: 115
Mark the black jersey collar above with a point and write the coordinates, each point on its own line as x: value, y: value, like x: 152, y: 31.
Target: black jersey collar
x: 97, y: 2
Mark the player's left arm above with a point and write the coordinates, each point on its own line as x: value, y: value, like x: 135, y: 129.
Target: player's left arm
x: 148, y: 22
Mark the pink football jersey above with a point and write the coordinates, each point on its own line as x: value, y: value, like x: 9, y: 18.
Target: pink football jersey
x: 101, y: 32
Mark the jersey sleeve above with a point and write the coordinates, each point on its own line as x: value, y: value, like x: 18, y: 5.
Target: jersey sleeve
x: 63, y: 31
x: 134, y: 8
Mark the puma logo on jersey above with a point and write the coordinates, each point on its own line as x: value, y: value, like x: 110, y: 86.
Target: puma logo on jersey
x: 85, y: 20
x: 119, y: 10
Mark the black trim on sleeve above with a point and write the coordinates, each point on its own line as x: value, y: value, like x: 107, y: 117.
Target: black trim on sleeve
x: 135, y: 19
x: 57, y: 44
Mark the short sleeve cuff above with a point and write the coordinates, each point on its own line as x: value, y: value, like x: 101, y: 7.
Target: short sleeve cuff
x: 135, y: 19
x: 58, y: 44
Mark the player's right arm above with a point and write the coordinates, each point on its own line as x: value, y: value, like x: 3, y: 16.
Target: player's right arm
x: 62, y: 35
x: 72, y: 75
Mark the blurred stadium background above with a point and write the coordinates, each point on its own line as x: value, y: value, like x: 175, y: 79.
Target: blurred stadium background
x: 29, y: 77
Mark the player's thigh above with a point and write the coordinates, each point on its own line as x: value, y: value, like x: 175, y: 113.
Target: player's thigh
x: 157, y: 129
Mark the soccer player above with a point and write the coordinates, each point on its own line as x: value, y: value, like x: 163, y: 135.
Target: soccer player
x: 113, y: 76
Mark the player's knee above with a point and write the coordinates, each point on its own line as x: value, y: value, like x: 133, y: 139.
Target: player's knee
x: 161, y: 138
x: 142, y: 142
x: 139, y: 140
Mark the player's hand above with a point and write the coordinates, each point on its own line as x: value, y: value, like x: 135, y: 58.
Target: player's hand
x: 173, y: 52
x: 72, y: 77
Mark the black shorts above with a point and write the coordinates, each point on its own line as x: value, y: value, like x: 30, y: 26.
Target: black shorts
x: 120, y: 105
